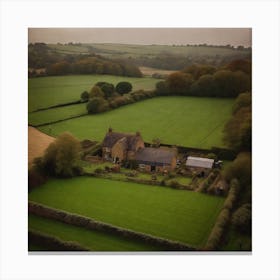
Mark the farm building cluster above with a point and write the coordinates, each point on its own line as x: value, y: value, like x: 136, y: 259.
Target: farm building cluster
x: 122, y: 147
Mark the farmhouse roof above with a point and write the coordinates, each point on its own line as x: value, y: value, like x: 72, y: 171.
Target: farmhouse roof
x: 200, y: 162
x: 129, y: 140
x: 155, y: 156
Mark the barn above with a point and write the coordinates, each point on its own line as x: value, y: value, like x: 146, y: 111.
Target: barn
x: 156, y: 159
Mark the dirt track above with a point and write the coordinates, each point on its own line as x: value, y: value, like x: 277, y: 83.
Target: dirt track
x: 37, y: 143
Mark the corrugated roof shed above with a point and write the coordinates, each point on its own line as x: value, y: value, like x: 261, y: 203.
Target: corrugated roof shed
x: 199, y: 162
x: 155, y: 156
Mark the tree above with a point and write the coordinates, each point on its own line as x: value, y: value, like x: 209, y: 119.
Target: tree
x: 238, y: 130
x: 161, y: 88
x: 61, y: 157
x: 199, y: 70
x: 97, y: 105
x: 84, y: 96
x: 240, y: 65
x: 179, y: 83
x: 242, y: 218
x: 123, y: 87
x: 96, y: 92
x: 243, y: 100
x: 107, y: 88
x: 204, y: 86
x: 241, y: 169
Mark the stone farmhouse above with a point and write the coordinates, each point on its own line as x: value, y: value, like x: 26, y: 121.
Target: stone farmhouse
x: 121, y: 147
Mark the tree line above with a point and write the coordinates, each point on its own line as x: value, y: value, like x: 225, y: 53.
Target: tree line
x: 41, y: 56
x: 208, y: 81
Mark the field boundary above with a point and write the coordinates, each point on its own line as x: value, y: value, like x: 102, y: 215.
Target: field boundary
x: 58, y: 121
x: 91, y: 224
x: 52, y: 242
x: 58, y: 105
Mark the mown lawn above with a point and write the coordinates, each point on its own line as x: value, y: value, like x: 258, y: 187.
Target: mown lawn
x: 49, y: 91
x: 178, y: 215
x: 185, y: 121
x: 93, y: 240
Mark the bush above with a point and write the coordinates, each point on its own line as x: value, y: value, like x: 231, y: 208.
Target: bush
x: 96, y: 92
x: 107, y: 88
x: 123, y: 87
x: 53, y: 243
x: 242, y: 218
x: 216, y: 234
x: 84, y: 96
x: 161, y: 88
x: 97, y: 105
x: 232, y: 194
x: 240, y: 168
x: 173, y: 184
x: 36, y: 178
x: 61, y: 158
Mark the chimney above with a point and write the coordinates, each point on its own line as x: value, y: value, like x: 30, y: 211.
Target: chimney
x: 110, y: 130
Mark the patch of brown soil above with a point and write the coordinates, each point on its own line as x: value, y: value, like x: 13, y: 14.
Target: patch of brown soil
x: 37, y: 143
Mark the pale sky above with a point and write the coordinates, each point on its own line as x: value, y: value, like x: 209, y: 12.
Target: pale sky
x: 145, y: 36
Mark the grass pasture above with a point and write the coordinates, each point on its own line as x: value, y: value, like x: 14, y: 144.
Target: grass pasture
x: 54, y: 114
x: 185, y: 121
x: 49, y: 91
x: 177, y: 215
x: 129, y: 50
x: 93, y: 240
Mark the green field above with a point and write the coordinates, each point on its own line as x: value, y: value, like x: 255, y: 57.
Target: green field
x: 93, y: 240
x: 119, y: 51
x: 55, y: 114
x: 185, y: 121
x: 177, y: 215
x: 49, y: 91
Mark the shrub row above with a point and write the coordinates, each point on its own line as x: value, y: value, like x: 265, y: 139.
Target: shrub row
x: 203, y: 187
x: 223, y: 219
x: 53, y: 243
x: 218, y: 230
x: 232, y: 194
x: 91, y: 224
x: 171, y: 184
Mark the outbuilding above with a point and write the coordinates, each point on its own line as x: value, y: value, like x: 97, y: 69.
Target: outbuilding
x: 202, y: 165
x: 156, y: 159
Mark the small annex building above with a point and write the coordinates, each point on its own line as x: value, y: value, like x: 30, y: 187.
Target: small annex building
x: 203, y: 165
x: 157, y: 159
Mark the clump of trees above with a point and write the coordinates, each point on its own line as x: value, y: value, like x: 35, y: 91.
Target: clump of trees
x: 104, y: 96
x: 61, y: 158
x: 208, y: 81
x: 92, y: 64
